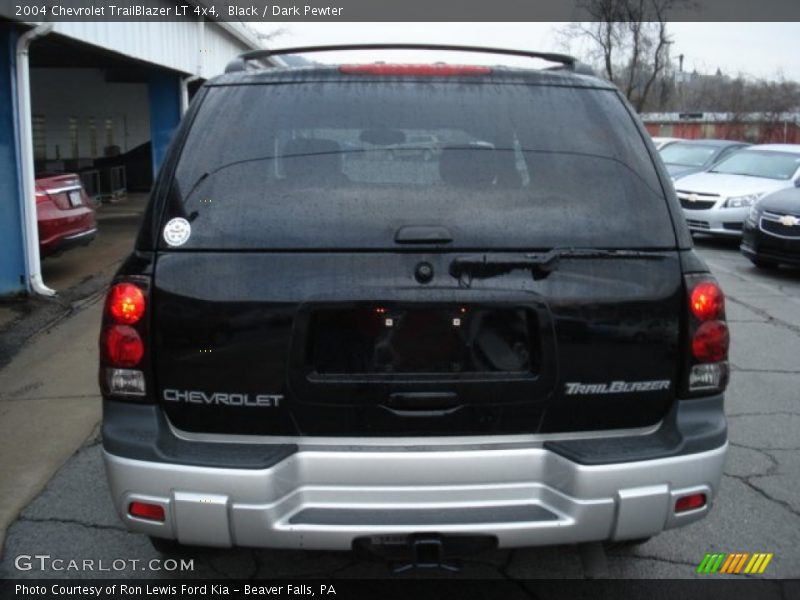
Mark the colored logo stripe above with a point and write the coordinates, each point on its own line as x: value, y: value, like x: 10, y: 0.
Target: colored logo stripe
x: 734, y: 563
x: 729, y: 563
x: 711, y: 563
x: 740, y: 564
x: 758, y: 563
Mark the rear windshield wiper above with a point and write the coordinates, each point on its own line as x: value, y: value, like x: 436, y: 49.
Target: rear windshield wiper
x: 484, y: 266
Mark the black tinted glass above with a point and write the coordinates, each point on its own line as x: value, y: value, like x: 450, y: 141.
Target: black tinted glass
x: 346, y: 164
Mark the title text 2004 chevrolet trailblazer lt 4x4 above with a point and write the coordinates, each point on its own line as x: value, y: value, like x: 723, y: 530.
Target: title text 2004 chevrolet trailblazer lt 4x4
x: 511, y: 343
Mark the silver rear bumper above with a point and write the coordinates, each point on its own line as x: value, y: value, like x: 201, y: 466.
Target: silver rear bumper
x: 325, y: 499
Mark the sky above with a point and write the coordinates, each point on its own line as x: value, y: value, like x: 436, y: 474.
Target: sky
x: 760, y: 50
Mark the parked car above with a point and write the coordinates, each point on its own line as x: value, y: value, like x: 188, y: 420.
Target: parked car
x: 718, y: 201
x: 771, y: 233
x: 692, y: 156
x: 306, y: 352
x: 424, y: 146
x: 662, y: 142
x: 64, y: 213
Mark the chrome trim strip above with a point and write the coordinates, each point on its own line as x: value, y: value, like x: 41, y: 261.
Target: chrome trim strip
x: 700, y: 195
x: 409, y: 443
x: 69, y: 188
x: 82, y: 234
x: 773, y: 216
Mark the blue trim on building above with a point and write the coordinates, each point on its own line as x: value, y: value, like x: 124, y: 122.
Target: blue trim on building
x: 12, y: 243
x: 165, y: 113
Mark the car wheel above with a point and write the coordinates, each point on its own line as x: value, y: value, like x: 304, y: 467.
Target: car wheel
x: 764, y: 264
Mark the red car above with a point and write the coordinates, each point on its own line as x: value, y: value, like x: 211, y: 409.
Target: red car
x: 64, y: 212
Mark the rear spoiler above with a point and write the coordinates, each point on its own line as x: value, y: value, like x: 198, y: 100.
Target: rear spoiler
x: 566, y: 62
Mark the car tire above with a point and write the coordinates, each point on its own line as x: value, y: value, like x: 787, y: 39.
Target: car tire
x: 764, y: 264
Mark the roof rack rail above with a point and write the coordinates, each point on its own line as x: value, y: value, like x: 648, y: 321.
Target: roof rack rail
x: 566, y: 62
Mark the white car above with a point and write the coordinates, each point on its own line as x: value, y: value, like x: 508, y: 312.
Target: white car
x: 660, y: 142
x: 717, y: 201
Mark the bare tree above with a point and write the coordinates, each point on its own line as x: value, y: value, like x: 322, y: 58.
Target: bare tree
x: 267, y: 36
x: 629, y: 38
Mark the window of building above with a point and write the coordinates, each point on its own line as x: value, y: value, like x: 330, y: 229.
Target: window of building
x: 74, y: 143
x: 39, y: 137
x: 92, y: 138
x: 109, y: 132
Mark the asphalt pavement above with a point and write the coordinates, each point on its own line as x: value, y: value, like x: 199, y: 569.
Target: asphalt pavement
x: 757, y: 510
x: 49, y: 400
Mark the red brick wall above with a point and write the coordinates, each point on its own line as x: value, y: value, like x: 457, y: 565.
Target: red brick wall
x: 759, y: 133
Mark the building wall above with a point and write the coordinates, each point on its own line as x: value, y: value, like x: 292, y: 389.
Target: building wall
x: 176, y: 45
x: 64, y: 97
x: 59, y: 95
x: 12, y: 255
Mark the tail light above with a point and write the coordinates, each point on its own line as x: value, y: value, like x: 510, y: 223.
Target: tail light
x: 708, y: 336
x: 707, y: 301
x: 710, y: 342
x: 126, y: 303
x: 123, y: 353
x: 691, y: 502
x: 146, y: 510
x: 123, y: 346
x: 423, y: 70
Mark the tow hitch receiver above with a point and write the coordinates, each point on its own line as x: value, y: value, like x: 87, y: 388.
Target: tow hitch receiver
x: 428, y: 551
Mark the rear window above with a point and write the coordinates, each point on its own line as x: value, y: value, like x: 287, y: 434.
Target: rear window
x: 343, y: 164
x: 760, y: 163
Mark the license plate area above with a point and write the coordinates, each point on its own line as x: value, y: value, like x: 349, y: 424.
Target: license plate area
x: 502, y: 354
x: 75, y: 199
x: 380, y: 340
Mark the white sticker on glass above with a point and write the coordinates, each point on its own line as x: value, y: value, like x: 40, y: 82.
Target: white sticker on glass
x: 177, y: 231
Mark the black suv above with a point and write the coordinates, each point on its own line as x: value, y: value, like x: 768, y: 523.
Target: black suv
x: 315, y: 346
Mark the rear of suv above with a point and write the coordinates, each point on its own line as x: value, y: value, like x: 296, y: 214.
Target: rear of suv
x: 315, y: 346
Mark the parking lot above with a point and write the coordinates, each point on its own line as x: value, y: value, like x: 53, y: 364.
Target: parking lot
x: 49, y: 407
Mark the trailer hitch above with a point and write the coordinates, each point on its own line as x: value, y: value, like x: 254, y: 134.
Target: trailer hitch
x: 422, y: 550
x: 427, y: 553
